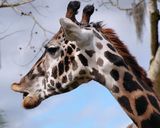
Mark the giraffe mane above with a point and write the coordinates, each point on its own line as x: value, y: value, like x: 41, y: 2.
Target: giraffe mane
x: 130, y: 60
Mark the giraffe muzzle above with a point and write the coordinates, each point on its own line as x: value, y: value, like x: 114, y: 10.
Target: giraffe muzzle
x: 29, y: 101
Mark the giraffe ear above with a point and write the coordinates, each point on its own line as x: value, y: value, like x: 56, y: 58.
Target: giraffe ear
x: 73, y: 32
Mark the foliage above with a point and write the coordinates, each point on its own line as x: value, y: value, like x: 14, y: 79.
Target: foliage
x: 2, y: 120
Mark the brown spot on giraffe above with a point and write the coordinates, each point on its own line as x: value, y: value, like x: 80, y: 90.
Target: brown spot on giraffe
x: 54, y: 72
x: 124, y: 101
x: 66, y: 63
x: 74, y: 64
x: 115, y: 89
x: 115, y: 74
x: 100, y: 61
x: 98, y: 76
x: 152, y: 122
x: 129, y: 84
x: 111, y: 47
x: 61, y: 68
x: 97, y: 35
x: 99, y: 45
x: 64, y: 79
x: 52, y: 82
x: 90, y: 52
x: 154, y: 102
x: 141, y: 104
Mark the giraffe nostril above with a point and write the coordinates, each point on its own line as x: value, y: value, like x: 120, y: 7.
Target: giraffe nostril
x: 25, y: 94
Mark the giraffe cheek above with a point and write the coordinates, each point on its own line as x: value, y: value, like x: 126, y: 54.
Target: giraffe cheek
x: 30, y: 102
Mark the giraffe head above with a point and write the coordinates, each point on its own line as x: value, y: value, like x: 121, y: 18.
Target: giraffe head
x: 65, y: 63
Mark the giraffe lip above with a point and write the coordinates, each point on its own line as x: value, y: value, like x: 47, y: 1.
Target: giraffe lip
x: 30, y: 102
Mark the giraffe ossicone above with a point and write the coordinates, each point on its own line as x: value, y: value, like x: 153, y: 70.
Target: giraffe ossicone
x: 73, y: 32
x: 79, y: 53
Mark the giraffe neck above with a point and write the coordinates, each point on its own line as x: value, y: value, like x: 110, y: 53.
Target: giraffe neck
x: 138, y: 100
x: 133, y: 93
x: 117, y: 69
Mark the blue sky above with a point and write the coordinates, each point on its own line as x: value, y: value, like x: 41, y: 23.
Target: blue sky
x: 90, y: 105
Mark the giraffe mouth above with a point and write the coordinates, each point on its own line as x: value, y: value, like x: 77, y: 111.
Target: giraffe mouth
x: 25, y: 94
x: 30, y: 101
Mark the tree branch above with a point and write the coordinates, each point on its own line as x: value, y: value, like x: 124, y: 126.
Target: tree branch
x: 5, y: 36
x: 114, y: 4
x: 86, y: 0
x: 5, y: 4
x: 36, y: 22
x: 31, y: 35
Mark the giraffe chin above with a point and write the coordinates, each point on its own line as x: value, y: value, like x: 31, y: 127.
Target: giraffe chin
x: 30, y: 102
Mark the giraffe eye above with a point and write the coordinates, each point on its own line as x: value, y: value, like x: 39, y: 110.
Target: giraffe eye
x: 52, y: 50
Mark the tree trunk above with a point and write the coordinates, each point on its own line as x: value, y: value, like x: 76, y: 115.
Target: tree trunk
x: 154, y: 70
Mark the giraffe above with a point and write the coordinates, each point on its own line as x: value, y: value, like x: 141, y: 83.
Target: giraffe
x: 85, y: 51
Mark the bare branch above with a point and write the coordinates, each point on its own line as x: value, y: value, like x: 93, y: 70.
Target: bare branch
x: 3, y: 37
x: 114, y: 4
x: 36, y: 9
x: 34, y: 19
x: 118, y: 6
x: 4, y: 31
x: 37, y: 23
x: 31, y: 35
x: 86, y: 0
x: 6, y: 4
